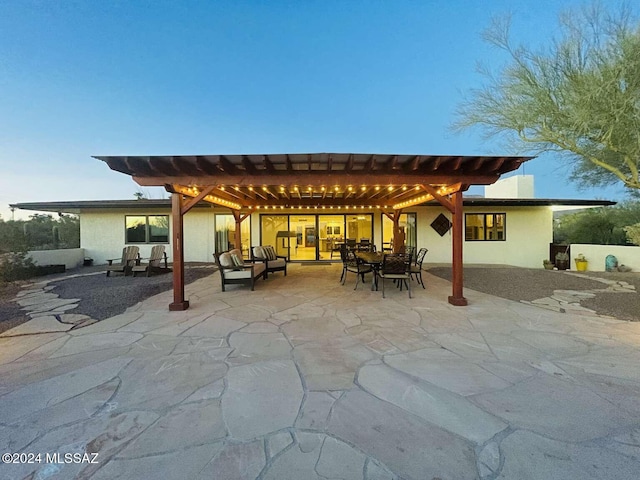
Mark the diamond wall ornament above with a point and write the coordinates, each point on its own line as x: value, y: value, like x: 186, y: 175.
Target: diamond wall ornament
x: 441, y: 224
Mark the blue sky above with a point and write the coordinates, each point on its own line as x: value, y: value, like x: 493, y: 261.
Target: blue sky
x: 81, y: 78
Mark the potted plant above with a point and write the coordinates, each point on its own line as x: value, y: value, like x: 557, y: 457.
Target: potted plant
x: 581, y: 263
x: 547, y: 264
x: 562, y: 260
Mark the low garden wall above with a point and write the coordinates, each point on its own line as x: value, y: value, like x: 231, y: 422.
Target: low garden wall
x: 69, y: 257
x: 596, y: 254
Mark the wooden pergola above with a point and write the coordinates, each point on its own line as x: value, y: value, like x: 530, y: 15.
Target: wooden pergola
x: 252, y: 183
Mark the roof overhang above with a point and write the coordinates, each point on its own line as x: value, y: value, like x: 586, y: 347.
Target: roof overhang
x: 314, y: 179
x: 77, y: 207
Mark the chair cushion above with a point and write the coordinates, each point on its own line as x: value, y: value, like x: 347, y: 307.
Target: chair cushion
x: 233, y: 274
x: 258, y: 252
x: 277, y: 263
x: 226, y: 260
x: 258, y: 269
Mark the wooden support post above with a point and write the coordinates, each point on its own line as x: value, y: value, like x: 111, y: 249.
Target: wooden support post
x: 179, y: 303
x: 239, y: 218
x: 457, y: 298
x: 398, y: 233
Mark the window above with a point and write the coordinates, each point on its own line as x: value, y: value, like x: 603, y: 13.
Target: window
x: 408, y: 221
x: 485, y: 226
x: 146, y: 228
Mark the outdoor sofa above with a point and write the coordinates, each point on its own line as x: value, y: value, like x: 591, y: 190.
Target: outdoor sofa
x: 234, y: 271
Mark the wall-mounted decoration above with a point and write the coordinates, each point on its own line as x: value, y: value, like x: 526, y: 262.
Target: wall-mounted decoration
x: 441, y: 224
x: 336, y: 230
x: 329, y: 231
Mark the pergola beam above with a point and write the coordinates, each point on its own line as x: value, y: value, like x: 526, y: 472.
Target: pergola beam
x: 315, y: 179
x: 277, y: 181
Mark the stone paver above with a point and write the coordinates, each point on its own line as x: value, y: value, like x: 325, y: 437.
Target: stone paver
x: 261, y: 398
x: 435, y: 405
x: 306, y: 378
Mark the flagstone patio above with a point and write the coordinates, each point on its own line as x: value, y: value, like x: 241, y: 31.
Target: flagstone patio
x: 307, y: 379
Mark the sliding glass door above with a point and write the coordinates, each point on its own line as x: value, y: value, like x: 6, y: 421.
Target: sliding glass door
x: 313, y: 237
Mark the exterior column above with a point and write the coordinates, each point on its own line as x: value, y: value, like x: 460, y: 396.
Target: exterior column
x: 398, y: 234
x: 179, y: 303
x: 457, y: 298
x: 238, y: 232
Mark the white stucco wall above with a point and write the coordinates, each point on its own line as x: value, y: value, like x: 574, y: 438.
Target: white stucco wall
x: 70, y: 257
x: 529, y: 230
x: 102, y: 235
x: 596, y: 254
x: 528, y: 234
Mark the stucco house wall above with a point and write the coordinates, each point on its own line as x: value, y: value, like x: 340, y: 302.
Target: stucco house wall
x: 529, y: 230
x: 528, y: 234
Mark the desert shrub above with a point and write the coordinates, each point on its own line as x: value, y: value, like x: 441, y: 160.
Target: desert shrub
x: 633, y: 233
x: 16, y: 266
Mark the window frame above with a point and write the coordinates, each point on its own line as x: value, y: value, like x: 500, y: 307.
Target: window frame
x: 147, y: 230
x: 485, y: 228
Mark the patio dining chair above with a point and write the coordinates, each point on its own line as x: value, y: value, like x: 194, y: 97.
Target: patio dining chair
x: 416, y: 268
x: 351, y: 263
x: 396, y: 267
x: 130, y: 256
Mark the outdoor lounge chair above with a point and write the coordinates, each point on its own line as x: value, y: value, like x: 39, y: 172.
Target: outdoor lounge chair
x: 154, y: 262
x: 396, y: 267
x: 130, y: 255
x: 235, y: 271
x: 267, y: 255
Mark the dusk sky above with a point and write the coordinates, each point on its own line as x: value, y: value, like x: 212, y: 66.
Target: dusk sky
x: 82, y: 78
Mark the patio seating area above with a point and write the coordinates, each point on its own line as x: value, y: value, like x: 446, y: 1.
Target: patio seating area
x: 305, y: 378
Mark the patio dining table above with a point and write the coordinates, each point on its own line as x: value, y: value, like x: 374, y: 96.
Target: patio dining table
x: 375, y: 260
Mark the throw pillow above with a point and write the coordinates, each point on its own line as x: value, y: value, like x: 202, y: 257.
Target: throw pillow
x: 271, y: 252
x: 238, y: 262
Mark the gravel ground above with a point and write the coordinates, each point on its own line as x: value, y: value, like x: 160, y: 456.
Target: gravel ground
x: 10, y: 313
x: 101, y: 296
x: 531, y: 284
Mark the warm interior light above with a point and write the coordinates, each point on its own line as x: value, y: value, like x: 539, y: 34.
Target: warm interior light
x: 251, y: 189
x: 390, y: 188
x: 377, y: 188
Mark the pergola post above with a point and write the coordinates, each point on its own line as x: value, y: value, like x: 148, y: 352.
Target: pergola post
x: 179, y: 303
x: 239, y: 218
x: 457, y: 297
x: 398, y: 234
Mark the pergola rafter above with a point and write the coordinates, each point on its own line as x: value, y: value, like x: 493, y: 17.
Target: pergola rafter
x: 318, y: 181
